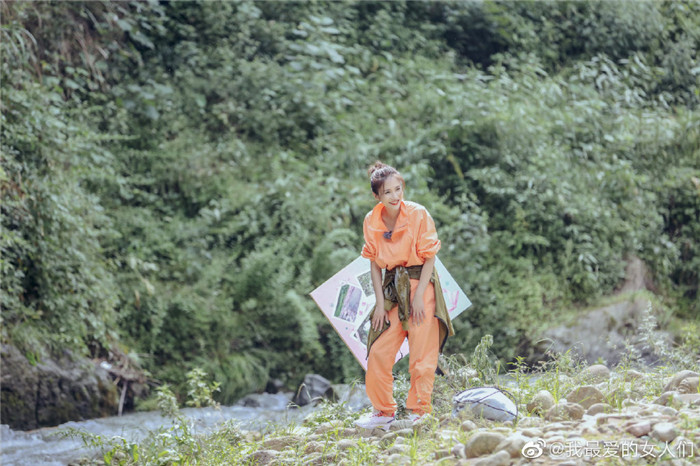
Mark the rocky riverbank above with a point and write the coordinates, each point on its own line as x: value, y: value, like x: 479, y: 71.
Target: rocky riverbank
x: 619, y: 417
x: 569, y: 415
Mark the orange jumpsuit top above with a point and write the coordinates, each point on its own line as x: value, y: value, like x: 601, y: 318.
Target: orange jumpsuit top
x: 413, y: 240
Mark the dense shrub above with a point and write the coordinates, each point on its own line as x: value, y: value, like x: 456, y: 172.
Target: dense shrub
x: 177, y: 177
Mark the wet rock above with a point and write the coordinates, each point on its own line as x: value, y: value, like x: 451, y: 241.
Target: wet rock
x: 664, y: 431
x: 598, y: 408
x: 482, y: 443
x: 274, y: 386
x: 586, y: 396
x: 596, y: 373
x: 314, y: 388
x: 677, y: 378
x: 541, y: 402
x: 51, y: 392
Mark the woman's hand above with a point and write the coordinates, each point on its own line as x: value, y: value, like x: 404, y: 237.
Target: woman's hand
x: 418, y: 308
x: 380, y: 316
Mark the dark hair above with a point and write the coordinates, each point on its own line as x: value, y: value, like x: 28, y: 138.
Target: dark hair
x: 379, y: 172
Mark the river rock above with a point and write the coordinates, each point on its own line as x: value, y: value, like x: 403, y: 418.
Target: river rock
x: 532, y: 432
x: 261, y: 457
x: 502, y: 458
x: 664, y: 431
x: 530, y: 422
x: 397, y: 459
x: 666, y: 398
x: 459, y: 451
x: 689, y: 385
x: 53, y: 391
x: 314, y: 388
x: 596, y: 373
x: 280, y: 443
x: 632, y: 375
x: 325, y: 427
x: 598, y: 408
x: 513, y: 444
x: 690, y: 399
x: 482, y: 443
x: 541, y: 402
x: 586, y: 396
x: 313, y: 446
x: 564, y: 411
x: 399, y: 449
x: 467, y: 426
x: 639, y: 429
x: 677, y: 378
x: 346, y: 444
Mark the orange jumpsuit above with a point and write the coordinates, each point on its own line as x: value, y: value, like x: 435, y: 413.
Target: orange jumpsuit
x: 413, y: 241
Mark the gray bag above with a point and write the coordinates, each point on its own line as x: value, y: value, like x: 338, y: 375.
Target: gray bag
x: 487, y: 402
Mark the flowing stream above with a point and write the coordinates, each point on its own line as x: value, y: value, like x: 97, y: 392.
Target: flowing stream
x: 48, y: 447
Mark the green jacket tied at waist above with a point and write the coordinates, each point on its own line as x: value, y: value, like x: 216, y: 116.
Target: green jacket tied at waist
x: 397, y: 291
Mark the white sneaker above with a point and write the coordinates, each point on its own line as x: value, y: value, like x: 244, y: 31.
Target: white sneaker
x: 375, y: 421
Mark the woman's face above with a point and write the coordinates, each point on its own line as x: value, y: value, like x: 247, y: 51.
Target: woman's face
x: 391, y: 194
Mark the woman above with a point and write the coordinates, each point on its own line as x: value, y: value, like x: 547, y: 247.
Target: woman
x: 400, y: 237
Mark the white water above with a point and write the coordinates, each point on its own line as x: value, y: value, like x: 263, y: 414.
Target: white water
x: 45, y: 447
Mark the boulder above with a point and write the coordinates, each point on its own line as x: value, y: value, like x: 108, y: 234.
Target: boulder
x: 599, y: 333
x: 51, y: 392
x: 314, y: 388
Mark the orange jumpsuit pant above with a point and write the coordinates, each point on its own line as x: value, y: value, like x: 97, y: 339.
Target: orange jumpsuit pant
x: 423, y: 342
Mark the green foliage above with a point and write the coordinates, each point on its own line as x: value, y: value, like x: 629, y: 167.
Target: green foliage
x: 177, y: 177
x: 199, y: 390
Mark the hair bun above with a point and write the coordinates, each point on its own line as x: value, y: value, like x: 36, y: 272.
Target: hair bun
x: 379, y: 172
x: 377, y: 166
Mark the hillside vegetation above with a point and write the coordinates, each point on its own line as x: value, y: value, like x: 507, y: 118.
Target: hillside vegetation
x: 178, y: 176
